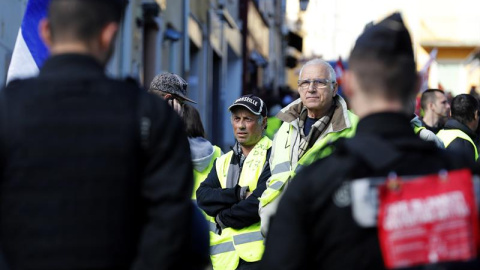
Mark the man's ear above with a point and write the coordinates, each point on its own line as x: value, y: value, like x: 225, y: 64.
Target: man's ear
x: 45, y: 32
x: 335, y: 89
x: 108, y: 35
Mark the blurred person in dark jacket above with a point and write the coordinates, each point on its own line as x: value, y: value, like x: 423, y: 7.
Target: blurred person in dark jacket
x: 459, y: 134
x: 96, y: 173
x: 317, y: 225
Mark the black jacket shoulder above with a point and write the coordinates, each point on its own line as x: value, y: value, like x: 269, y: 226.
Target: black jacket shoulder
x: 73, y: 135
x: 315, y: 213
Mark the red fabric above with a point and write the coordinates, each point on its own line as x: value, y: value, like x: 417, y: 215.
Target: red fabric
x: 339, y: 70
x: 428, y: 219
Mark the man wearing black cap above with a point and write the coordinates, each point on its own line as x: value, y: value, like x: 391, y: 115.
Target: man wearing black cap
x: 320, y: 224
x: 91, y: 179
x: 230, y: 193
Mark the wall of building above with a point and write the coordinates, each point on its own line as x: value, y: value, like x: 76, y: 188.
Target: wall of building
x: 205, y: 46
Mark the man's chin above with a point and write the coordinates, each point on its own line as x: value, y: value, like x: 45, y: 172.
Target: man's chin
x: 313, y: 105
x: 240, y: 140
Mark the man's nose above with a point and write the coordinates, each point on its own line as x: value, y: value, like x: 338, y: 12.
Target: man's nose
x: 311, y: 87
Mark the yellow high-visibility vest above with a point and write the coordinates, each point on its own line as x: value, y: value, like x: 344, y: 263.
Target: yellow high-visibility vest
x: 448, y: 135
x: 198, y: 176
x: 281, y: 165
x: 247, y: 243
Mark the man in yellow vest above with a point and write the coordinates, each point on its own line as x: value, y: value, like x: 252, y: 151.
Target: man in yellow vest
x: 458, y: 134
x: 229, y: 195
x: 310, y: 123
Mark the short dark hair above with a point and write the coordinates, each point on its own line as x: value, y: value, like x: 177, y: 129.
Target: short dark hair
x: 429, y: 96
x: 193, y: 122
x: 464, y: 107
x: 394, y: 77
x: 82, y: 20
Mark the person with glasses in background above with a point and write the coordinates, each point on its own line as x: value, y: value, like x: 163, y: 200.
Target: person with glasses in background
x: 310, y: 123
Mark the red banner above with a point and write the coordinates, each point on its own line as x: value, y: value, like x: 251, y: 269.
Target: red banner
x: 428, y: 219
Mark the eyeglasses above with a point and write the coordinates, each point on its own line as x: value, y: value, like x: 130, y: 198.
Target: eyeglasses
x: 317, y: 83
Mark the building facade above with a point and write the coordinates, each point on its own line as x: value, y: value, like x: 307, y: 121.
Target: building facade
x: 223, y: 48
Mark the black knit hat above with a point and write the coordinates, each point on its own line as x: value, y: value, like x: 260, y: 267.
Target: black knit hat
x: 387, y: 38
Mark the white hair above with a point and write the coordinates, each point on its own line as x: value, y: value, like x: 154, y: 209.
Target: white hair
x: 318, y: 61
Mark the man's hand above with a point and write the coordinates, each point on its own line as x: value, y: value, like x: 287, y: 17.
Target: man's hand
x: 176, y: 105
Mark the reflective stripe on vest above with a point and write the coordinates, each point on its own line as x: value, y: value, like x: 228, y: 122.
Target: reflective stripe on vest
x: 198, y: 177
x: 240, y: 239
x: 247, y: 242
x: 212, y: 226
x: 222, y: 248
x: 448, y: 135
x: 281, y: 176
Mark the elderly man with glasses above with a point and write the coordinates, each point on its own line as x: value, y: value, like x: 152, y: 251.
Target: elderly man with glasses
x: 310, y: 123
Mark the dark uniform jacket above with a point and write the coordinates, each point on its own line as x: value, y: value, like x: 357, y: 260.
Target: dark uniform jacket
x: 461, y: 146
x: 440, y: 125
x: 84, y: 185
x: 312, y: 230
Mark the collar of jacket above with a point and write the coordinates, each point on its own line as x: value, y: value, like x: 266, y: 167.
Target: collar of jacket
x: 393, y: 127
x: 237, y: 154
x: 339, y: 121
x: 454, y: 124
x: 415, y: 121
x: 71, y: 65
x: 386, y: 124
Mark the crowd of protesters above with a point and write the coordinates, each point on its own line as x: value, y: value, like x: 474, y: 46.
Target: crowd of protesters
x: 98, y: 173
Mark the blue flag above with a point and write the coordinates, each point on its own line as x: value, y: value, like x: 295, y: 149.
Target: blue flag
x: 29, y: 52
